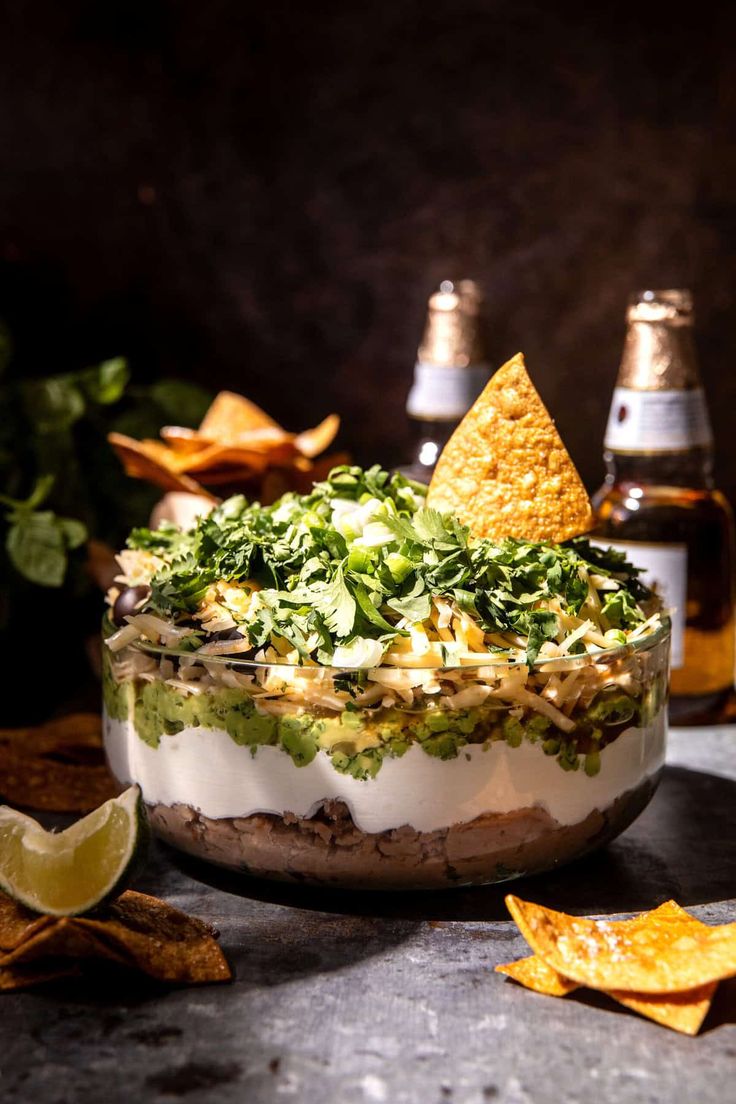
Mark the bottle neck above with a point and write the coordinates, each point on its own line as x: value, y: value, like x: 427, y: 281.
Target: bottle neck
x: 692, y: 467
x: 658, y: 355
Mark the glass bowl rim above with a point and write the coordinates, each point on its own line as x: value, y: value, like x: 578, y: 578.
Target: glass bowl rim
x: 543, y: 664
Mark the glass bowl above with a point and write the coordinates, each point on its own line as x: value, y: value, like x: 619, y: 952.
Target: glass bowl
x: 392, y: 778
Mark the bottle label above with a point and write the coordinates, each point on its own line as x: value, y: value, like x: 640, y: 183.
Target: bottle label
x: 665, y: 570
x: 445, y: 393
x: 657, y: 421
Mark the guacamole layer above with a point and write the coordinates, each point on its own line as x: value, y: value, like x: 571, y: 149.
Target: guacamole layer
x: 357, y: 740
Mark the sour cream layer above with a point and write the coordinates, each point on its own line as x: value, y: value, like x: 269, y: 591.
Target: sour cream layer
x: 205, y: 769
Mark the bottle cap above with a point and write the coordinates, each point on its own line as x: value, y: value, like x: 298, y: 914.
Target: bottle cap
x: 673, y: 306
x: 451, y: 369
x: 451, y: 335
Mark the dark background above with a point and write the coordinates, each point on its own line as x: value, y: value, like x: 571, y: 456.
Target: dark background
x: 262, y: 196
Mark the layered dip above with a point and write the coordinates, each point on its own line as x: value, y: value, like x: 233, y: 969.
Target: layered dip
x: 348, y: 688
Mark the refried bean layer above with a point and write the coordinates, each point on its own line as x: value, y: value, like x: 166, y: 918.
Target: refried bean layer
x: 328, y: 849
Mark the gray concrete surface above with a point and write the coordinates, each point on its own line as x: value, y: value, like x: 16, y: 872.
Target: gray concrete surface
x: 370, y: 999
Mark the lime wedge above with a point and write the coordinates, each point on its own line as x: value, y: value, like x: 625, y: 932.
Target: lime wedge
x: 69, y: 872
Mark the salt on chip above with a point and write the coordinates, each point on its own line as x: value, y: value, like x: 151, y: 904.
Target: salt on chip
x: 666, y: 953
x: 534, y: 973
x: 505, y: 471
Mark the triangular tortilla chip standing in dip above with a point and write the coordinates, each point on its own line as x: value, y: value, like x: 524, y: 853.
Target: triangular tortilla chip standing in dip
x: 505, y: 471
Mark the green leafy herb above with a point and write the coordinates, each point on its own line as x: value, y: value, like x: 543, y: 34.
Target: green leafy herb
x: 324, y: 584
x: 37, y: 541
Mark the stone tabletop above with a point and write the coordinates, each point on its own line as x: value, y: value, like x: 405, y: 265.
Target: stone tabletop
x: 367, y: 998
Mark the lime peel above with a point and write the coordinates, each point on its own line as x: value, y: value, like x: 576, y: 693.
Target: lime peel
x: 74, y: 871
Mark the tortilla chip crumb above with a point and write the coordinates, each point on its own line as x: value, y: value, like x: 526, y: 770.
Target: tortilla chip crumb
x: 505, y: 471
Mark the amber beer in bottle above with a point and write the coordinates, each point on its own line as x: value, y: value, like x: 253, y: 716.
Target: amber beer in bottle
x: 659, y: 503
x: 450, y: 372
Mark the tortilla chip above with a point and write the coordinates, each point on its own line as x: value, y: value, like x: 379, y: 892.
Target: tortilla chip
x: 666, y: 953
x: 314, y: 441
x: 182, y: 439
x: 534, y: 973
x: 57, y: 767
x: 505, y: 471
x: 62, y: 938
x: 154, y: 465
x: 682, y: 1012
x: 17, y: 924
x: 160, y: 940
x: 135, y: 931
x: 230, y: 415
x: 39, y: 973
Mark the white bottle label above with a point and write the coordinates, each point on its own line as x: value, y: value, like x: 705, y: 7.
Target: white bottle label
x: 445, y: 393
x: 657, y: 421
x: 665, y: 570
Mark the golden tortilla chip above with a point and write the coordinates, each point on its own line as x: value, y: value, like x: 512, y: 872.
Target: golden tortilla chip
x: 534, y: 973
x: 666, y: 953
x: 231, y: 415
x: 682, y: 1012
x: 311, y: 442
x: 57, y: 767
x: 182, y: 439
x: 222, y: 456
x: 134, y: 931
x: 139, y: 461
x: 505, y: 471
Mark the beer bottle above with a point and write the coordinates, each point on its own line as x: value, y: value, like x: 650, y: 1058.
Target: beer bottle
x: 659, y: 503
x: 449, y: 374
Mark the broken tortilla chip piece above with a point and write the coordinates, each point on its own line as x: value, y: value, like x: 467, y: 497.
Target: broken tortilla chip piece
x: 134, y: 931
x: 664, y: 953
x: 505, y: 471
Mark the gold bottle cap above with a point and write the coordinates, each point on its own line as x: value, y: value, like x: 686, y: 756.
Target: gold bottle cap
x: 659, y: 352
x: 672, y: 305
x: 451, y: 336
x: 451, y: 369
